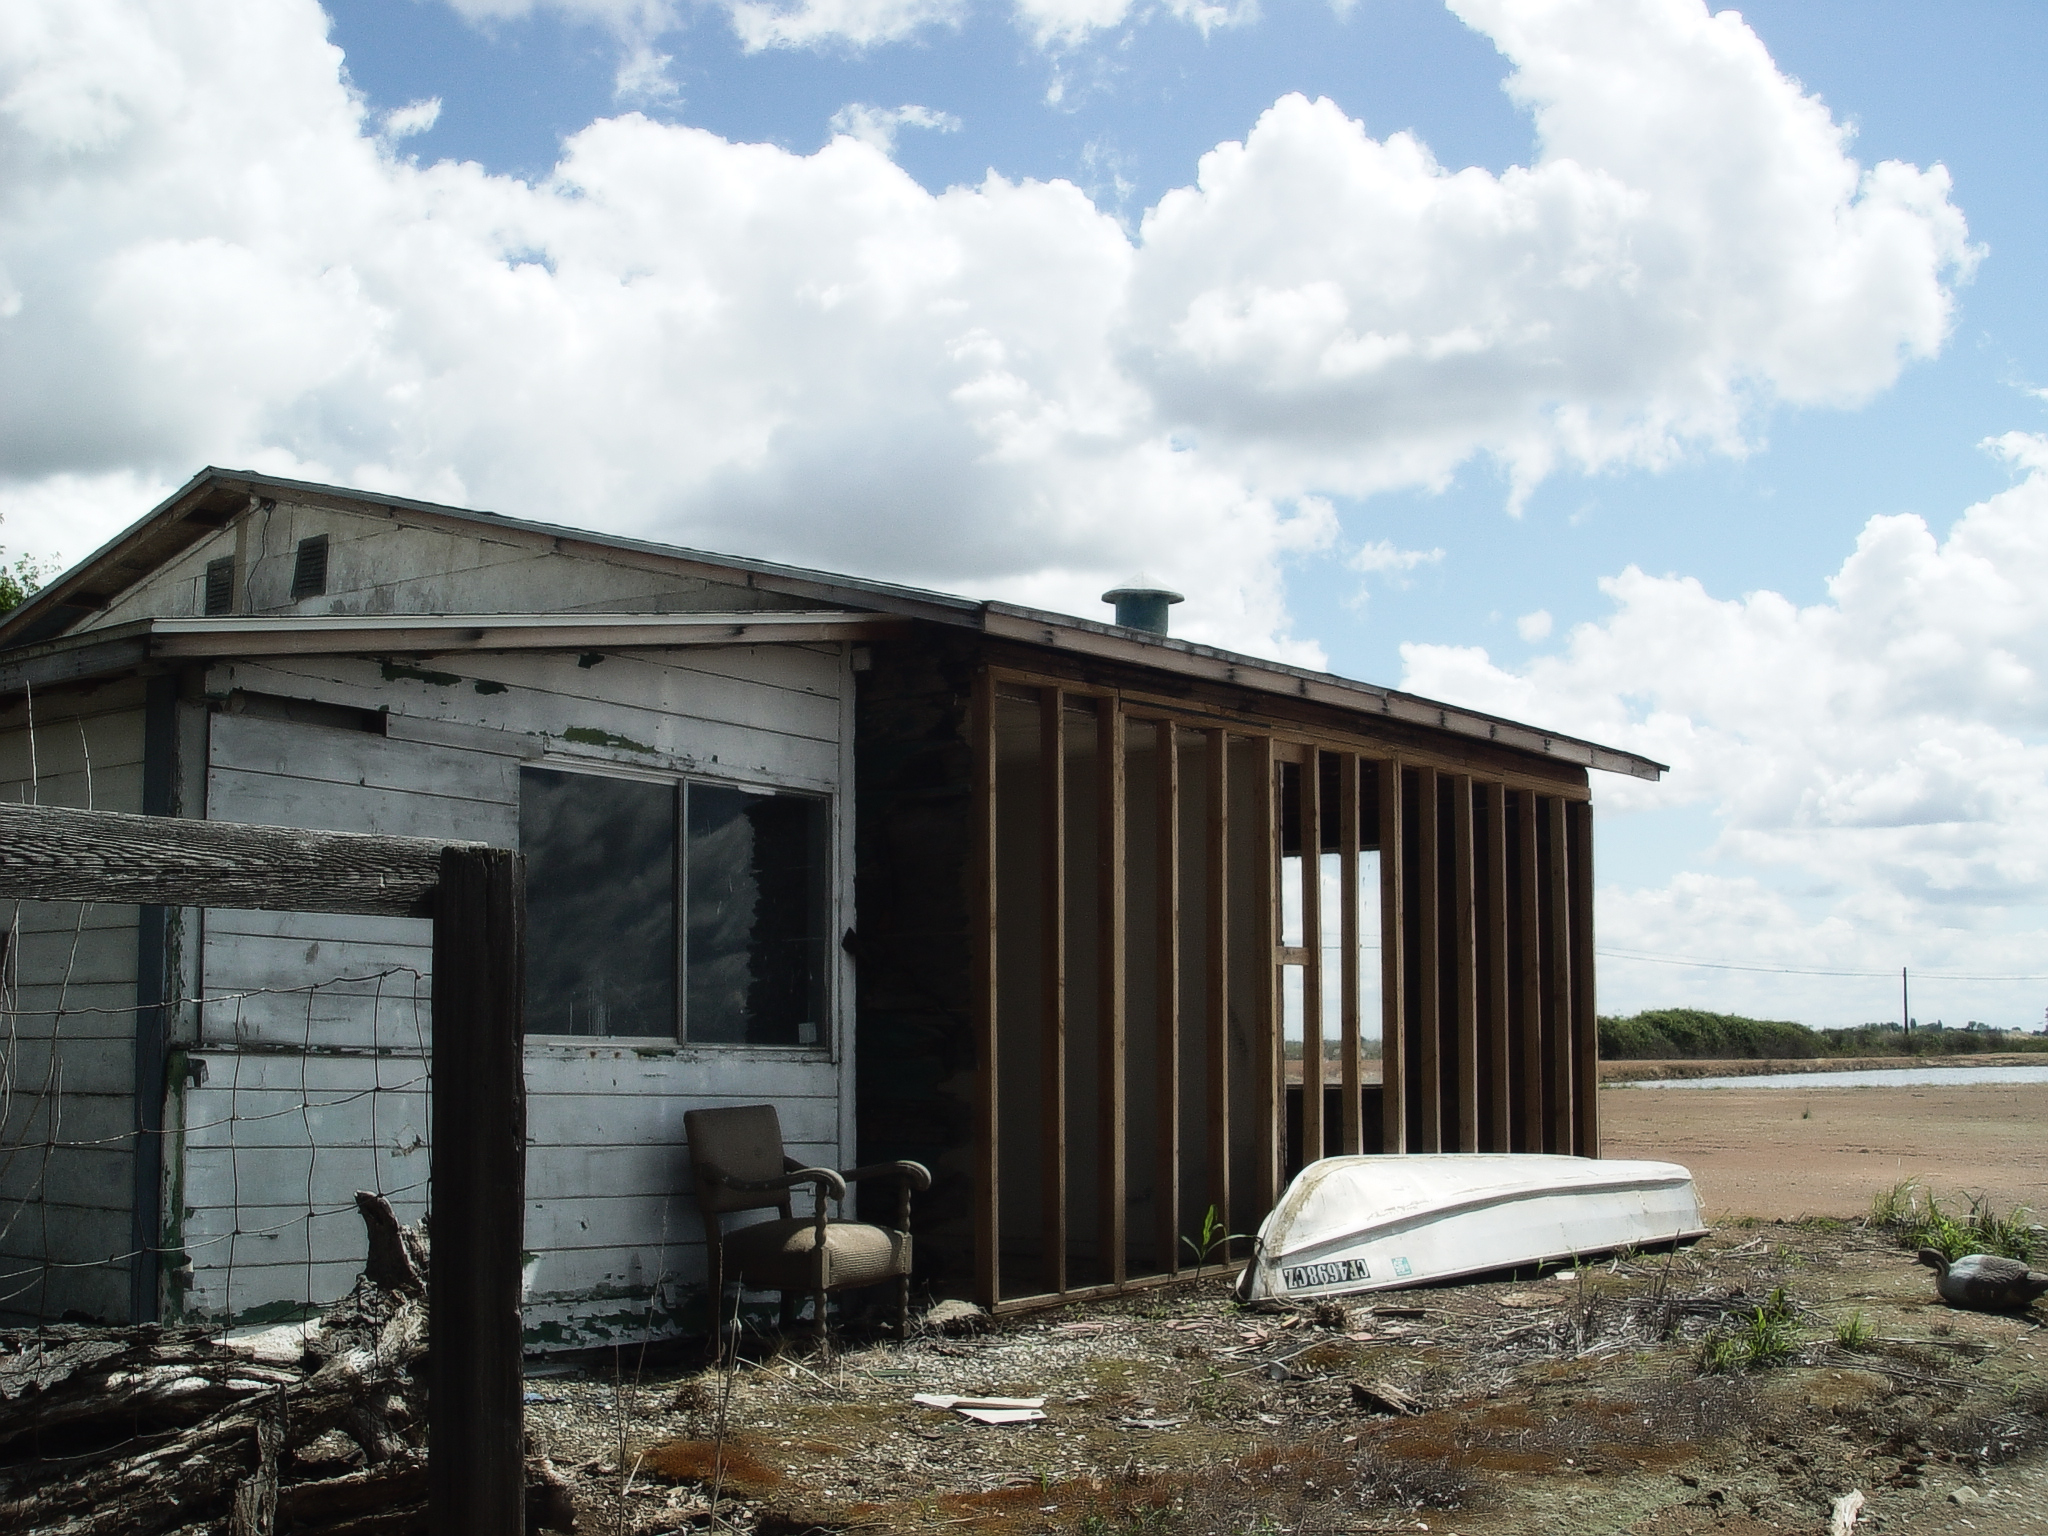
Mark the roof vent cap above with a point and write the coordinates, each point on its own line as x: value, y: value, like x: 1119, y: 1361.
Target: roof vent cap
x: 1141, y: 603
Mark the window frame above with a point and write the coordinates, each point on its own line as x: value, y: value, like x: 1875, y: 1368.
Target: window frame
x: 677, y: 1043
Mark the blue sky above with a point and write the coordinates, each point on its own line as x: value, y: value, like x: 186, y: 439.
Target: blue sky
x: 925, y: 355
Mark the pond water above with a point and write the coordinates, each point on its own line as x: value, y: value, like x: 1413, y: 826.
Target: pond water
x: 1878, y: 1077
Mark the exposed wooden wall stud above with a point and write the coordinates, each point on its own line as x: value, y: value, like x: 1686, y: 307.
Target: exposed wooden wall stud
x: 1585, y: 1024
x: 1112, y: 1142
x: 1494, y: 1009
x: 1313, y: 1140
x: 1265, y: 944
x: 1464, y: 935
x: 1557, y: 892
x: 1217, y: 936
x: 1529, y: 888
x: 1052, y: 1096
x: 1166, y: 988
x: 1352, y: 1131
x: 1393, y: 965
x: 987, y: 1172
x: 1429, y: 1133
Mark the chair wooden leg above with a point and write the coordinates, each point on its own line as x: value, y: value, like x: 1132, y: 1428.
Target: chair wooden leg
x: 714, y: 1286
x: 903, y: 1309
x: 818, y: 1318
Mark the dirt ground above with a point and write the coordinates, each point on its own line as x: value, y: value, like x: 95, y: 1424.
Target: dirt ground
x: 1791, y: 1152
x: 1562, y: 1403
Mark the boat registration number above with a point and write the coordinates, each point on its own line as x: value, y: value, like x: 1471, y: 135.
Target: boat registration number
x: 1308, y: 1277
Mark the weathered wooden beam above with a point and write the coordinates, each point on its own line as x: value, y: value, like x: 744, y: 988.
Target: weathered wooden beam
x: 1464, y: 934
x: 1166, y: 991
x: 1429, y: 895
x: 1585, y: 1022
x: 1529, y: 887
x: 1269, y: 1133
x: 1052, y: 1061
x: 1312, y: 1137
x: 987, y: 1126
x: 54, y: 853
x: 1558, y: 978
x: 1351, y: 1129
x: 476, y: 1470
x: 1112, y: 1140
x: 1217, y: 980
x: 1494, y: 1007
x: 1393, y: 966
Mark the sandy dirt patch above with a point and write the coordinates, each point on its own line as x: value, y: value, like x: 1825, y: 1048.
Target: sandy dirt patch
x: 1824, y: 1152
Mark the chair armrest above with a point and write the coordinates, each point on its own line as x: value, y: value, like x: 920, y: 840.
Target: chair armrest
x: 829, y: 1183
x: 916, y: 1175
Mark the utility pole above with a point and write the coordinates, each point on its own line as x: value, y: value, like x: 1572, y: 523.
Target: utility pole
x: 1905, y: 1007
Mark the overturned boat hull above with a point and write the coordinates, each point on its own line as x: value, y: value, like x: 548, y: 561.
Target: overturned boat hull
x: 1383, y: 1223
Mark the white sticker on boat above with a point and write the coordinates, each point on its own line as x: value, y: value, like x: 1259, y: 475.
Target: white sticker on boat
x: 1309, y: 1277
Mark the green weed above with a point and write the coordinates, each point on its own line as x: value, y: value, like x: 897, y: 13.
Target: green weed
x: 1854, y: 1331
x: 1203, y: 1245
x: 1915, y: 1219
x: 1768, y: 1337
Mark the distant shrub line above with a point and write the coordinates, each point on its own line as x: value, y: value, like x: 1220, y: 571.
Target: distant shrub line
x: 1671, y: 1034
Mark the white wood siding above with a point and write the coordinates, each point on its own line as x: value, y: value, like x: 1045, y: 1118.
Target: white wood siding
x: 67, y: 1046
x: 309, y: 1095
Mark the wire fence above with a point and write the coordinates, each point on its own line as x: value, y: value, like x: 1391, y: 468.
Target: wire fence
x: 230, y: 1199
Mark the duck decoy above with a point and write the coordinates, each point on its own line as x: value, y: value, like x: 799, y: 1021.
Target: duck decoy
x: 1984, y: 1282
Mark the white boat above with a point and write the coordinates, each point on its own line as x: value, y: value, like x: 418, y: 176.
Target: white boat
x: 1382, y: 1223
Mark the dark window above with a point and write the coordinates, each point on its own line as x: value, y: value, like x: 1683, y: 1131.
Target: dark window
x: 603, y: 951
x: 754, y: 945
x: 309, y: 571
x: 220, y: 584
x: 600, y: 904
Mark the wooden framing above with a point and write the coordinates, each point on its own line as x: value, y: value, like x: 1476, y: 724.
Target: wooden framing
x: 1486, y: 1026
x: 1166, y: 991
x: 1313, y: 1140
x: 1429, y: 1131
x: 1351, y: 1131
x: 988, y: 1281
x: 1393, y: 965
x: 1217, y: 935
x: 1112, y: 1139
x: 1052, y: 1066
x: 1534, y: 1137
x: 1463, y: 935
x: 1266, y: 1008
x: 1494, y: 1022
x: 1559, y: 979
x: 1585, y: 1026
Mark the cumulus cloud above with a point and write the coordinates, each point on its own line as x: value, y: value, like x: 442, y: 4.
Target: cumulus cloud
x: 1882, y: 754
x: 1534, y: 626
x: 1057, y: 24
x: 996, y: 388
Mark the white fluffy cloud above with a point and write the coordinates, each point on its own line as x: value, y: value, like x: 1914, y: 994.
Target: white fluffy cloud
x: 994, y: 388
x: 877, y: 127
x: 1878, y: 762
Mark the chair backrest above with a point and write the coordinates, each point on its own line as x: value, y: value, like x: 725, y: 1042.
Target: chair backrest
x: 743, y: 1142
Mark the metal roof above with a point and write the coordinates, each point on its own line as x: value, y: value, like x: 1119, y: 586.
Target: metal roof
x: 37, y: 640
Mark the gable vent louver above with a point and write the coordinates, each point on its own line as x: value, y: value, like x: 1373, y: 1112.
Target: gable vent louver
x: 309, y: 574
x: 220, y: 585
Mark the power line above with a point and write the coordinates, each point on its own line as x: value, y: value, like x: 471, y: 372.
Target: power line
x: 1794, y: 970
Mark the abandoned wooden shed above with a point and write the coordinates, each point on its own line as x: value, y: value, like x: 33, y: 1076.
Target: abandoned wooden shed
x: 1108, y: 929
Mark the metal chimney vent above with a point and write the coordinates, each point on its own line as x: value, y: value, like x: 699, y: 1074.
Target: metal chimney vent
x: 1141, y: 603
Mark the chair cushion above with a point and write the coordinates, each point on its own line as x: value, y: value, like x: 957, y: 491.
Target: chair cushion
x: 779, y: 1255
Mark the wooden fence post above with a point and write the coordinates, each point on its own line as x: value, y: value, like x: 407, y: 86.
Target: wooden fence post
x: 476, y: 1466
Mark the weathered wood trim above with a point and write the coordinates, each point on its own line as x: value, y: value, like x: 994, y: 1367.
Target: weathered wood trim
x: 476, y: 1474
x: 1217, y: 936
x: 1352, y: 1129
x: 1293, y: 723
x: 1052, y: 1097
x: 1557, y: 891
x: 53, y: 853
x: 1429, y: 1134
x: 1313, y: 1139
x: 1268, y: 1139
x: 1166, y: 960
x: 1015, y: 1304
x: 1532, y: 972
x: 982, y: 872
x: 1393, y: 965
x: 1585, y: 1023
x: 1494, y: 1009
x: 1466, y: 961
x: 1112, y: 882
